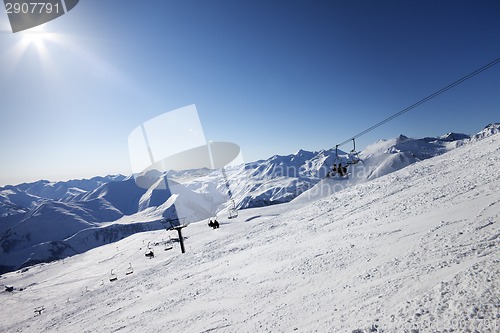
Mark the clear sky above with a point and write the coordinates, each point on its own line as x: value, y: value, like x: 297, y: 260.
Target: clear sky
x: 271, y: 76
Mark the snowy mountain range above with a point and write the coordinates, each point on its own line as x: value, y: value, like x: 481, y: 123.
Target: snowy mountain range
x: 45, y: 221
x: 414, y: 250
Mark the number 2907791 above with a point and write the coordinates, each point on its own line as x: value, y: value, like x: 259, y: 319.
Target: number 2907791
x: 31, y: 8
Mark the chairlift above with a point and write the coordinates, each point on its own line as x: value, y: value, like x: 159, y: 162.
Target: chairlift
x: 149, y: 251
x: 113, y: 276
x: 129, y: 270
x: 354, y: 155
x: 168, y: 244
x: 39, y: 309
x: 233, y: 212
x: 338, y: 168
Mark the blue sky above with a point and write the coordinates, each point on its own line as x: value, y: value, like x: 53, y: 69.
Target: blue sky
x: 271, y: 76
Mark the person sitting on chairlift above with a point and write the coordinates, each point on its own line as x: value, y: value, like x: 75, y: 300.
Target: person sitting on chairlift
x: 213, y: 224
x: 340, y: 170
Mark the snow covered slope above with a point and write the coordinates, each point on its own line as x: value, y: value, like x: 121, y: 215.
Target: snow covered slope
x: 416, y: 250
x: 39, y: 217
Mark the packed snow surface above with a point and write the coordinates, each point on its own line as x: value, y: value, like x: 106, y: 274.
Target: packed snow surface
x: 413, y: 251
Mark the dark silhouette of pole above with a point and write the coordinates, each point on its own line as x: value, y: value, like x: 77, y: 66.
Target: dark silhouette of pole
x: 179, y: 228
x: 181, y: 239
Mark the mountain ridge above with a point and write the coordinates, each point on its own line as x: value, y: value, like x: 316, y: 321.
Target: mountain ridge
x: 111, y: 199
x: 413, y: 250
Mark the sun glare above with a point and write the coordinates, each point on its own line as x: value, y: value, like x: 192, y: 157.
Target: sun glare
x: 38, y: 43
x: 35, y: 41
x: 38, y: 38
x: 36, y: 35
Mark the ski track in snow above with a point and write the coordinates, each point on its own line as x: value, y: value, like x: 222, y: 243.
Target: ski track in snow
x: 413, y: 251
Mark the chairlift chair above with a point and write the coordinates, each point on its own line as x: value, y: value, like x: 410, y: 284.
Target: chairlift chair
x: 233, y: 212
x: 168, y: 244
x: 149, y: 252
x: 39, y: 309
x: 354, y: 155
x: 129, y: 270
x: 340, y: 170
x: 113, y: 277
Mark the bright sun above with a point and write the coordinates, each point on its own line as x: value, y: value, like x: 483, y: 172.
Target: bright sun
x: 38, y: 38
x: 35, y: 35
x: 35, y: 40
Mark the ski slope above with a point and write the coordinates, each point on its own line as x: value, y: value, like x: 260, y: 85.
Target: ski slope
x: 74, y: 216
x: 414, y: 250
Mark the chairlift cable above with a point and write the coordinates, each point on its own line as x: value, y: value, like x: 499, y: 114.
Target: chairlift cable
x: 411, y: 107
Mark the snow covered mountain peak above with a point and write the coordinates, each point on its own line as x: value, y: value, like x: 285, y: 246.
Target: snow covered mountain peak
x: 489, y: 130
x: 97, y: 203
x: 413, y: 251
x: 305, y: 154
x: 451, y: 136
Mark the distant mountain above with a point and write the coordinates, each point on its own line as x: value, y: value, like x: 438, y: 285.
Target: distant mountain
x: 123, y: 195
x: 283, y: 178
x: 489, y: 130
x: 24, y: 197
x: 44, y: 221
x: 14, y: 200
x: 279, y: 179
x: 384, y: 157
